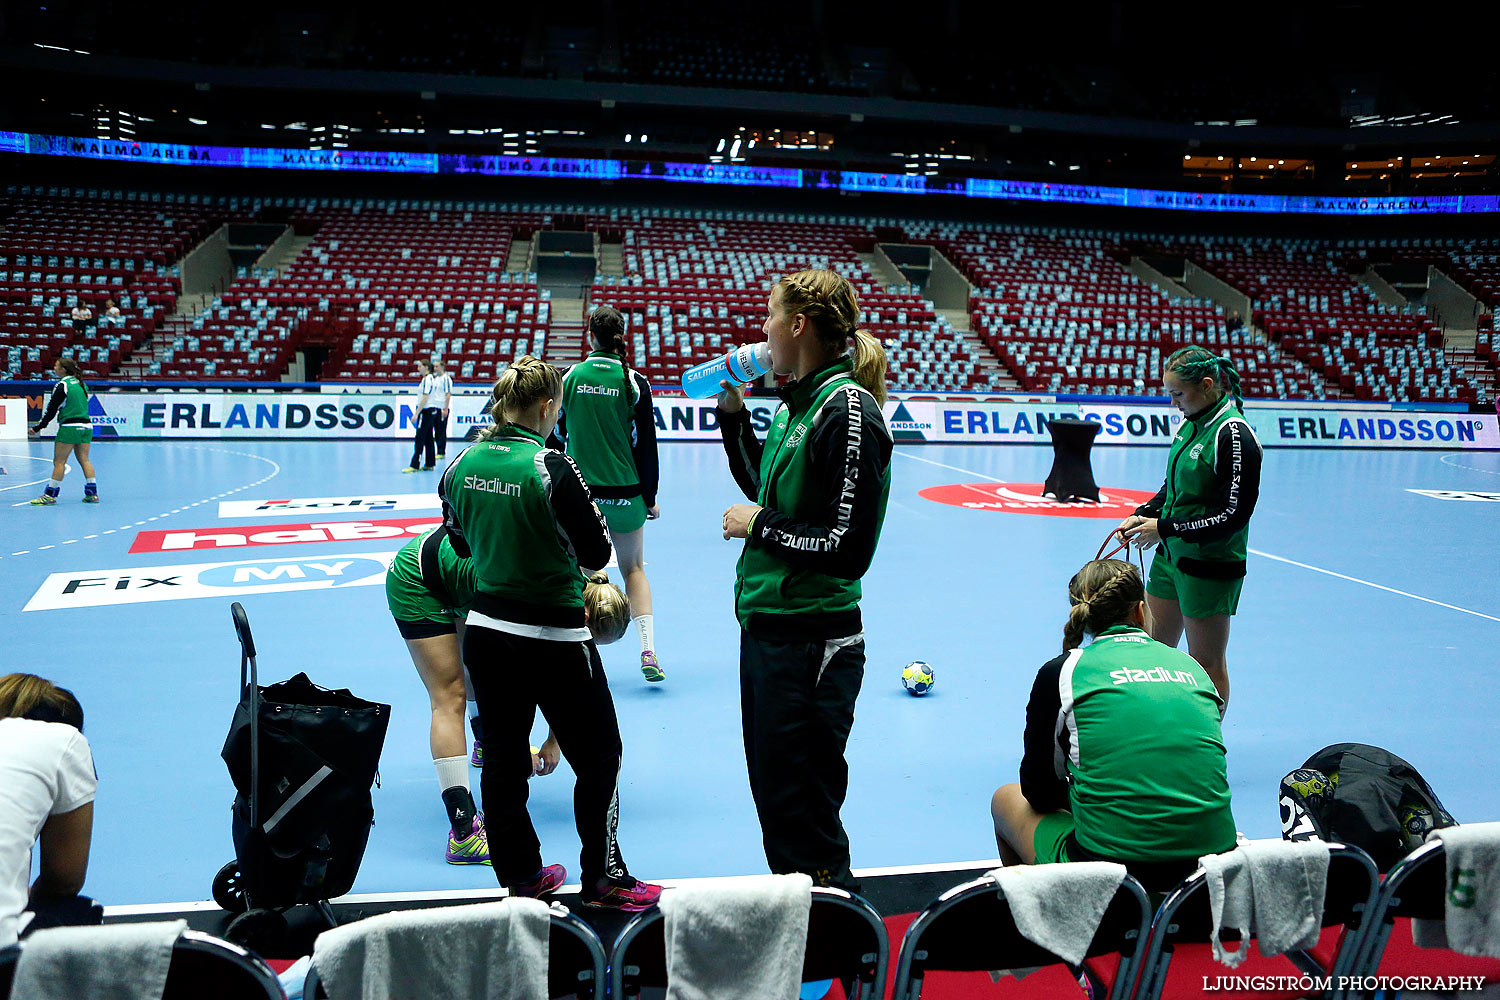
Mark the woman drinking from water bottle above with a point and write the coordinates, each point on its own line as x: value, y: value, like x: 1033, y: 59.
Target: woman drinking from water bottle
x: 819, y: 487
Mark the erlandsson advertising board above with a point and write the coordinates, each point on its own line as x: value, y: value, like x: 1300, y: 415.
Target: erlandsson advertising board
x: 375, y: 415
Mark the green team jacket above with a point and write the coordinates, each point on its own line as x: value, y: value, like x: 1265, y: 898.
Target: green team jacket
x: 1125, y: 733
x: 610, y: 428
x: 823, y: 478
x: 1213, y: 482
x: 523, y: 513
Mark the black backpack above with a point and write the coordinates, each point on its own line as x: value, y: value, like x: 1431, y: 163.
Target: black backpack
x: 1361, y: 795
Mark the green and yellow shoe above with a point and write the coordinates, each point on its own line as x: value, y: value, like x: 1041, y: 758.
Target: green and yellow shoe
x: 473, y: 849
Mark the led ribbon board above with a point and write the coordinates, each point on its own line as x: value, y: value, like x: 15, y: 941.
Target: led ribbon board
x: 732, y: 174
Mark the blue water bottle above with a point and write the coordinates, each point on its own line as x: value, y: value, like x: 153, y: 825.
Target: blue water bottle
x: 746, y: 364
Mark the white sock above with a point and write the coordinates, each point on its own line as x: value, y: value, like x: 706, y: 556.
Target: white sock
x: 644, y: 624
x: 452, y: 772
x: 54, y: 484
x: 91, y: 481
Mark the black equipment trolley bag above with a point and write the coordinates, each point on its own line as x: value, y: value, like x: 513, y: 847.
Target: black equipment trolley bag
x: 302, y: 759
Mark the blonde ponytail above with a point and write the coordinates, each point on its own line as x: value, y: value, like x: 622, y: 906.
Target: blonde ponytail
x: 828, y: 301
x: 869, y: 365
x: 527, y: 380
x: 607, y: 608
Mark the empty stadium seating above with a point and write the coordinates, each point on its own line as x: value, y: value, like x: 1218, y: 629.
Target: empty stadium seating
x: 1304, y: 298
x: 1062, y: 312
x: 55, y: 251
x: 693, y: 288
x: 380, y: 283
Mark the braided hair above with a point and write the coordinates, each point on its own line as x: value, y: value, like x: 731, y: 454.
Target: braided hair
x: 829, y: 303
x: 1103, y: 593
x: 1193, y: 364
x: 527, y: 380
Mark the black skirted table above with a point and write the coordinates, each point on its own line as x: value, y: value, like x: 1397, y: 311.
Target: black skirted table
x: 1072, y: 475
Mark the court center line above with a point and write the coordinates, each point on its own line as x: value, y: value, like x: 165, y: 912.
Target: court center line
x: 1266, y: 555
x: 1377, y: 586
x: 942, y: 465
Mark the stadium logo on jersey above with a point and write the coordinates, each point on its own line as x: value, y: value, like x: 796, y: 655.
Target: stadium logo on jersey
x: 184, y: 540
x: 1156, y: 675
x: 1029, y: 498
x: 495, y: 485
x: 104, y: 587
x: 329, y: 505
x: 596, y: 390
x: 905, y: 428
x: 1476, y: 496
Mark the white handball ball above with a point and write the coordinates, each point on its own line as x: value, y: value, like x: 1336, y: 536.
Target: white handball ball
x: 917, y: 677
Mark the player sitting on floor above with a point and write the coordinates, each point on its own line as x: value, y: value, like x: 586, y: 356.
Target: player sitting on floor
x: 1124, y: 757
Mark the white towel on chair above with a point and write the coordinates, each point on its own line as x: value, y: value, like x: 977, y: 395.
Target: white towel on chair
x: 1058, y: 907
x: 1471, y: 900
x: 1275, y: 888
x: 741, y: 939
x: 125, y: 961
x: 493, y: 950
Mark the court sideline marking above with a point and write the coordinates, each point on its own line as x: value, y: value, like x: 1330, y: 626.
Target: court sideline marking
x: 1267, y: 555
x: 275, y: 471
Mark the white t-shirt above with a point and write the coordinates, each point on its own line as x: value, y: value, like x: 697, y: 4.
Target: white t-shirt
x: 439, y: 387
x: 46, y: 769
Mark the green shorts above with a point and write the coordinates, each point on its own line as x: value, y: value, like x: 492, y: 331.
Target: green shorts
x: 407, y: 597
x: 1196, y: 596
x: 1050, y: 840
x: 75, y: 433
x: 623, y: 516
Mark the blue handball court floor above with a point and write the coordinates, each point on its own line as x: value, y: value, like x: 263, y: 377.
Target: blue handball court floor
x: 1371, y: 614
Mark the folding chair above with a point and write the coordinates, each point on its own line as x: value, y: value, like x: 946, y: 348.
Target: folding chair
x: 969, y: 928
x: 1414, y: 888
x: 575, y: 960
x: 846, y: 940
x: 202, y: 965
x: 1184, y: 917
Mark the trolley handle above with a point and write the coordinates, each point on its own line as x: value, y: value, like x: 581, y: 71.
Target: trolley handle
x: 242, y: 628
x: 247, y: 657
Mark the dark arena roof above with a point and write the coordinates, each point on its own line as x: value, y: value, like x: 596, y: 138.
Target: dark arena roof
x: 1332, y: 99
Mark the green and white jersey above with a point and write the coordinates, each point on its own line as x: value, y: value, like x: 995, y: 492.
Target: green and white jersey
x: 1125, y: 733
x: 523, y: 513
x: 610, y: 427
x: 69, y: 402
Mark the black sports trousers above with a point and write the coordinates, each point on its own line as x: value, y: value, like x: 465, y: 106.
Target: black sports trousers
x: 513, y: 676
x: 440, y: 431
x: 797, y: 707
x: 427, y: 419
